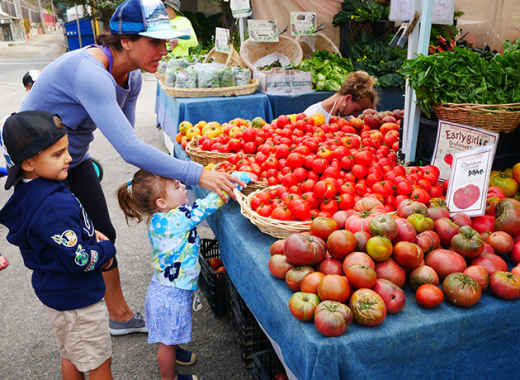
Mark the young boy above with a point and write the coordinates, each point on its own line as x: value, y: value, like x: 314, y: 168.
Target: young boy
x: 29, y: 78
x: 58, y: 242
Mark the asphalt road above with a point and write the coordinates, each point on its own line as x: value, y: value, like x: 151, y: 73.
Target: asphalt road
x: 27, y: 345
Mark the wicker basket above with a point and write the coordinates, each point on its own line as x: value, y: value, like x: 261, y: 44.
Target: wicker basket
x: 493, y: 117
x: 206, y: 92
x: 229, y: 59
x: 204, y: 157
x: 277, y: 228
x: 252, y: 51
x: 258, y: 185
x: 317, y: 42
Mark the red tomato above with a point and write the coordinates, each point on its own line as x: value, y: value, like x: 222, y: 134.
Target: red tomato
x: 348, y: 188
x: 359, y: 171
x: 264, y: 210
x: 300, y: 174
x: 300, y: 208
x: 420, y: 195
x: 424, y: 183
x: 429, y: 296
x: 346, y: 201
x: 289, y: 180
x: 325, y: 190
x: 295, y: 160
x: 383, y: 187
x: 363, y: 157
x: 319, y: 164
x: 329, y: 205
x: 347, y: 162
x: 331, y: 172
x: 281, y: 213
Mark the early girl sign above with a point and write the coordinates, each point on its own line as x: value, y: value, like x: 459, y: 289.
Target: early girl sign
x: 453, y: 138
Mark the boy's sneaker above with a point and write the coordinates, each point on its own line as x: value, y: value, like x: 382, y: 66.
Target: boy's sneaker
x: 134, y: 325
x: 185, y: 357
x: 186, y: 377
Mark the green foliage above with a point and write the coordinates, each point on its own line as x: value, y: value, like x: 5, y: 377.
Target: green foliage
x: 204, y: 27
x: 379, y: 60
x: 361, y: 10
x: 465, y: 76
x: 329, y: 70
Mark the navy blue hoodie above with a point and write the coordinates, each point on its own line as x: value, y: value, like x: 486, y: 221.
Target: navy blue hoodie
x: 57, y: 241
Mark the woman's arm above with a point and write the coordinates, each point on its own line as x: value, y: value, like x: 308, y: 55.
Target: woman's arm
x: 98, y: 97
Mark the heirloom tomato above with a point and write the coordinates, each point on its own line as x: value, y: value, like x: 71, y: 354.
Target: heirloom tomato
x: 302, y: 305
x: 334, y: 287
x: 368, y: 307
x: 332, y: 318
x: 461, y: 289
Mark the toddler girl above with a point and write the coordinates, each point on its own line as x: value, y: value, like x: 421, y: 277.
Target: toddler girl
x: 175, y: 252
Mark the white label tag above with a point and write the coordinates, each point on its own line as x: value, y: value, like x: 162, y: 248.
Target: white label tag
x: 222, y: 40
x: 469, y: 180
x: 263, y: 30
x: 240, y: 8
x: 453, y: 138
x: 303, y: 23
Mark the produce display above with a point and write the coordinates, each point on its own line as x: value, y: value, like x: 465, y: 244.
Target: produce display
x: 343, y: 272
x: 329, y: 70
x: 323, y: 168
x: 465, y: 76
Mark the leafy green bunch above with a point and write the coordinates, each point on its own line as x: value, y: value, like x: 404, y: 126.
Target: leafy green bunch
x: 329, y: 70
x: 379, y: 60
x: 361, y: 11
x: 465, y: 76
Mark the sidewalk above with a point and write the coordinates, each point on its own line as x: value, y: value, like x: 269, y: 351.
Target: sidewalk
x: 49, y: 45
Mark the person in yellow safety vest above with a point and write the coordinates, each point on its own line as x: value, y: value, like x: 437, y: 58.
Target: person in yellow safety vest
x: 180, y: 23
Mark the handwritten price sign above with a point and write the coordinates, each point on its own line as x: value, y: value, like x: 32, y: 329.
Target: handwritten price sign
x: 453, y: 138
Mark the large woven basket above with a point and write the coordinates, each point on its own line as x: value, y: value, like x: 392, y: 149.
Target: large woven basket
x: 229, y: 59
x: 204, y: 157
x: 252, y: 51
x: 277, y: 228
x: 317, y: 42
x: 207, y: 92
x: 493, y: 117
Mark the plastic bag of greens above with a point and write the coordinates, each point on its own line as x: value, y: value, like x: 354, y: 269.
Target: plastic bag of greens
x: 227, y: 77
x: 242, y: 76
x: 162, y: 66
x: 207, y: 75
x: 186, y: 78
x: 169, y: 77
x: 179, y: 63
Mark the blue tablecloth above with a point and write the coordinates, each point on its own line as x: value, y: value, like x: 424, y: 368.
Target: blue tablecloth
x: 171, y: 111
x: 287, y: 104
x: 445, y: 343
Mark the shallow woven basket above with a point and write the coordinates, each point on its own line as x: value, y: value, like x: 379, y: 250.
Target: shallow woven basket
x: 493, y: 117
x: 207, y: 92
x: 204, y: 157
x: 258, y: 185
x: 321, y: 42
x: 277, y: 228
x: 229, y: 59
x: 252, y: 51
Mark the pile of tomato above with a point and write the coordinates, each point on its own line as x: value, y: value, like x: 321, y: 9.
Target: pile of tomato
x: 322, y: 168
x: 353, y: 267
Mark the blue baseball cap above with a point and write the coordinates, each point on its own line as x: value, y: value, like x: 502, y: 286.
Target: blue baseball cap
x: 146, y: 18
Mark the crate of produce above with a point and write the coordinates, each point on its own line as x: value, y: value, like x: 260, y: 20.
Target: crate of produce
x: 212, y: 279
x: 251, y: 337
x: 267, y: 366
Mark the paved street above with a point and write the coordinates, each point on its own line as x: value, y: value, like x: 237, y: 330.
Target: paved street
x: 27, y: 346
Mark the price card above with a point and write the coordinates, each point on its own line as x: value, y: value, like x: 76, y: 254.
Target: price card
x: 403, y: 10
x: 222, y: 40
x: 263, y: 30
x: 469, y: 180
x: 303, y: 23
x: 240, y: 8
x: 453, y: 138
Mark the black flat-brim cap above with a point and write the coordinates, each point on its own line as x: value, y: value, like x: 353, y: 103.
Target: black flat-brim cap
x: 24, y: 135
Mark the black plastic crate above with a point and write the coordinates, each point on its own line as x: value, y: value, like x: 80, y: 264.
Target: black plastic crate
x: 212, y: 284
x: 265, y: 365
x: 251, y: 337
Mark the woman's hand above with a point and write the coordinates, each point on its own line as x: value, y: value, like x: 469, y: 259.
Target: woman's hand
x: 220, y: 182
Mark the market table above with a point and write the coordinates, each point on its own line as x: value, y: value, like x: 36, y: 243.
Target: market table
x: 447, y: 342
x: 171, y: 111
